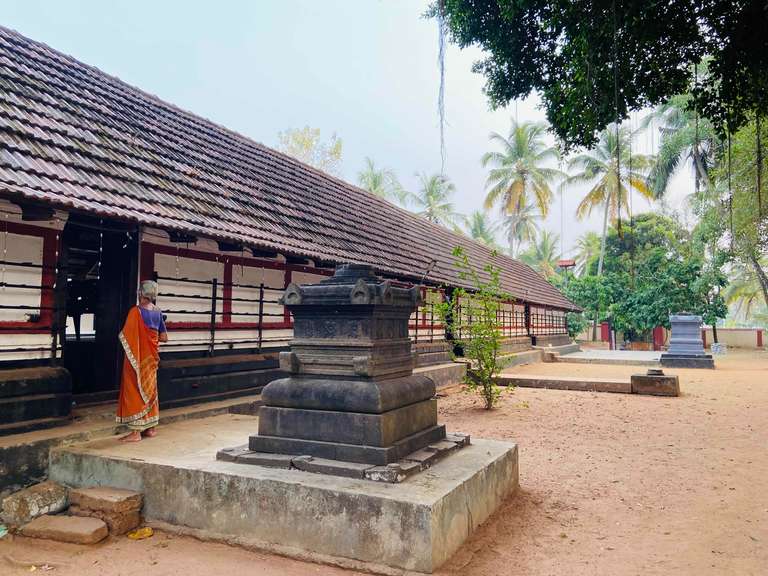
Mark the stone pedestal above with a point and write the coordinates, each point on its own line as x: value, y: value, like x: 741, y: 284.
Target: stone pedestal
x: 686, y: 348
x: 655, y: 383
x: 351, y: 394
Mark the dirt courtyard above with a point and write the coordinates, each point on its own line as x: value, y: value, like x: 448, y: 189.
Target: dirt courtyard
x: 609, y: 484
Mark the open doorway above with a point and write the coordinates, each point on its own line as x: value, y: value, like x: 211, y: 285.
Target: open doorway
x: 100, y: 261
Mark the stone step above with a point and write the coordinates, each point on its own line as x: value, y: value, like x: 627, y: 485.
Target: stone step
x: 433, y: 358
x: 444, y: 375
x: 25, y: 505
x: 118, y: 523
x: 106, y: 499
x: 520, y: 358
x: 73, y: 529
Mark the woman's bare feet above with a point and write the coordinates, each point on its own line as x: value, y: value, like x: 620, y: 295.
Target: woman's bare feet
x: 150, y: 432
x: 134, y: 436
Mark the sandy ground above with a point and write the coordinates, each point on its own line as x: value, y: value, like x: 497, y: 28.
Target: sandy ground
x: 610, y: 484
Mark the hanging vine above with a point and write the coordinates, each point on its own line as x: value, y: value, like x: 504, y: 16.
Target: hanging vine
x: 441, y: 42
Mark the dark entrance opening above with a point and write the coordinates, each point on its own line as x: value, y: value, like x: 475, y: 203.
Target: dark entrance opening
x: 100, y: 261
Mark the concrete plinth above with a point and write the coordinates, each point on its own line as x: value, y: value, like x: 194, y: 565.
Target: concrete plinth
x: 415, y: 525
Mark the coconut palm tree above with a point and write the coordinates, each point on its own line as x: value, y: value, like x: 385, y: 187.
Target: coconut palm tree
x: 609, y: 188
x: 382, y: 182
x: 521, y: 226
x: 686, y: 139
x: 587, y: 249
x: 543, y: 254
x: 518, y: 172
x: 433, y: 199
x: 481, y: 228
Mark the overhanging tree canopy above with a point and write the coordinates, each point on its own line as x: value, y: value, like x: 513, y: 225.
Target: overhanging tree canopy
x: 566, y: 51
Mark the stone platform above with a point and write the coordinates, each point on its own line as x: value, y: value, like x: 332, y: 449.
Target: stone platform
x: 414, y: 525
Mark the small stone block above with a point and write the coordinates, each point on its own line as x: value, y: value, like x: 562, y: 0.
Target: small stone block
x: 407, y: 468
x: 118, y: 522
x: 424, y: 457
x: 332, y: 467
x: 25, y: 505
x: 265, y: 459
x: 459, y: 438
x: 443, y: 447
x: 653, y: 385
x: 231, y: 454
x: 389, y: 474
x: 106, y: 499
x: 73, y: 529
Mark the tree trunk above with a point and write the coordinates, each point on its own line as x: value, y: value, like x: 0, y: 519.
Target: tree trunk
x: 714, y: 331
x: 761, y: 276
x: 602, y: 241
x: 600, y: 263
x: 700, y: 171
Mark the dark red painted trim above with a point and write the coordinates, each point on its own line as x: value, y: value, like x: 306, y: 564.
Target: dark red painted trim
x: 227, y: 304
x: 231, y: 326
x: 759, y: 338
x: 47, y: 277
x: 149, y: 250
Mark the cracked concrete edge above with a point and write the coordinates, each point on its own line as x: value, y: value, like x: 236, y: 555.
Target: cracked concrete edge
x: 256, y: 545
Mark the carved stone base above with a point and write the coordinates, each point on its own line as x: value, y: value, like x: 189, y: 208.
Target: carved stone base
x: 348, y: 427
x: 364, y: 454
x: 687, y: 361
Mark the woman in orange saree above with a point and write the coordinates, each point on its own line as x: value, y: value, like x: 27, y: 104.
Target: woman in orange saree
x: 144, y: 329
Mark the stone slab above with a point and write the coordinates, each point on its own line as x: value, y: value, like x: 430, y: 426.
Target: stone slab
x: 685, y: 361
x: 25, y: 505
x: 567, y: 383
x: 445, y: 375
x: 364, y: 454
x: 118, y: 523
x: 348, y: 427
x: 653, y: 385
x: 73, y: 529
x: 415, y: 525
x: 106, y: 499
x: 332, y: 467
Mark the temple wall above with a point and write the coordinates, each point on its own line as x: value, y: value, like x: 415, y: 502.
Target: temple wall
x: 26, y: 287
x: 247, y: 288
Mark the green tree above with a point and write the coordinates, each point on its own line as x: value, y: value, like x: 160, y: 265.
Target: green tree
x: 656, y: 268
x: 481, y: 228
x: 744, y: 209
x: 587, y: 251
x: 591, y: 62
x: 305, y: 145
x: 521, y: 226
x: 543, y: 254
x: 686, y: 139
x: 518, y: 173
x: 481, y: 337
x: 609, y: 182
x: 382, y: 182
x: 433, y: 199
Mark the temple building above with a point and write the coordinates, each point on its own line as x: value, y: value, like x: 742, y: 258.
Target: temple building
x: 103, y: 185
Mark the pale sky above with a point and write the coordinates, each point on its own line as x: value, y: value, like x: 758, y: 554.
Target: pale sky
x: 364, y: 69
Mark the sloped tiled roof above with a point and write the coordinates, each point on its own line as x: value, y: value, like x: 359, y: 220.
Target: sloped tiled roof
x: 75, y: 137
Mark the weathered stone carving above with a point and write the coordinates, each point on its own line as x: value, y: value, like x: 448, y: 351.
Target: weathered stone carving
x: 351, y: 394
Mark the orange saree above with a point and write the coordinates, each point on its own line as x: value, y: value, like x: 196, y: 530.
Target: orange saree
x: 137, y: 407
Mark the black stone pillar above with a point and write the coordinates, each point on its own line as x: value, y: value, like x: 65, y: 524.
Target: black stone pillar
x: 351, y: 394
